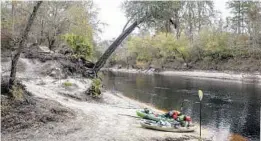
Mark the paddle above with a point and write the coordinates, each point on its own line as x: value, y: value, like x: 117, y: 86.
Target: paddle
x: 128, y: 115
x: 200, y: 95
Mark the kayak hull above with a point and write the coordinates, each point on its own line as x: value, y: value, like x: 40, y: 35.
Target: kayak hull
x: 167, y: 129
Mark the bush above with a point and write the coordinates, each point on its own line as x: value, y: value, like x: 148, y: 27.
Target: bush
x: 213, y: 44
x: 81, y: 45
x: 159, y: 48
x: 67, y: 84
x: 17, y: 92
x: 94, y: 90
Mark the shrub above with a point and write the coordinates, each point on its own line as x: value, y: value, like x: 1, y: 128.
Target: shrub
x: 94, y: 90
x: 81, y: 45
x: 142, y: 64
x: 67, y: 84
x: 214, y: 44
x: 162, y: 46
x: 17, y: 92
x: 209, y: 45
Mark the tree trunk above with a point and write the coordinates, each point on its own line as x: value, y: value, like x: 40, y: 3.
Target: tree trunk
x: 42, y: 32
x: 239, y: 15
x: 13, y: 17
x: 21, y: 44
x: 51, y: 43
x: 177, y: 24
x: 199, y: 15
x: 102, y: 60
x: 190, y: 20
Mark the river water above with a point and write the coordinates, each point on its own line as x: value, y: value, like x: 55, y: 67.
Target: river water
x: 228, y: 107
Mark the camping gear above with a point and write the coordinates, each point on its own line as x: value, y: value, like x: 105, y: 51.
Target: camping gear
x: 171, y: 116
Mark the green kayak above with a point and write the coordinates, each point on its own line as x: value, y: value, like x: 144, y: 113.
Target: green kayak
x: 152, y: 116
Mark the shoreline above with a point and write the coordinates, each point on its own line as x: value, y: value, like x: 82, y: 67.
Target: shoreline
x: 225, y: 75
x: 117, y: 123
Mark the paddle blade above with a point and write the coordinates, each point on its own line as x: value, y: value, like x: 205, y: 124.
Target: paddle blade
x: 200, y: 94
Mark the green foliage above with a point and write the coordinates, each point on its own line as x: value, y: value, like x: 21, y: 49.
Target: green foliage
x: 81, y: 45
x: 158, y: 10
x: 67, y: 84
x: 81, y: 20
x: 94, y: 90
x: 209, y: 45
x: 214, y: 44
x: 163, y: 46
x: 17, y: 92
x: 164, y: 15
x: 54, y: 18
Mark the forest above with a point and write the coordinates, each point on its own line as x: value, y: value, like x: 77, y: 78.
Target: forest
x: 195, y: 36
x: 185, y: 35
x: 56, y: 24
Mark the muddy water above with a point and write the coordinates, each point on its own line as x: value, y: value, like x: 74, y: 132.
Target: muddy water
x: 228, y: 107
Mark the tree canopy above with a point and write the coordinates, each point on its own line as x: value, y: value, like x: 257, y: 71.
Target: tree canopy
x: 191, y: 32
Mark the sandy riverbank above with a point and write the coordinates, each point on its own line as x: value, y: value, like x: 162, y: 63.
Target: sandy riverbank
x: 95, y: 121
x: 228, y: 75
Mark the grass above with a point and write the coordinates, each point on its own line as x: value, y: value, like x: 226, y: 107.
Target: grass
x: 17, y: 92
x: 67, y: 84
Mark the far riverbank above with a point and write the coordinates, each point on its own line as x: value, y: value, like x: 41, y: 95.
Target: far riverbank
x: 228, y: 75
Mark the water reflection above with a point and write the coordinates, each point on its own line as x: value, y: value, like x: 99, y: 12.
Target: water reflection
x: 228, y: 107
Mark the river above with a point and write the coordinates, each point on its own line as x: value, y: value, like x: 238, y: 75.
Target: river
x: 228, y: 107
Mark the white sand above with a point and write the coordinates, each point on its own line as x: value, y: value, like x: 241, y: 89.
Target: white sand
x: 228, y: 75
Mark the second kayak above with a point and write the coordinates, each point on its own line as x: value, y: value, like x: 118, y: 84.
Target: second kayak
x: 167, y: 127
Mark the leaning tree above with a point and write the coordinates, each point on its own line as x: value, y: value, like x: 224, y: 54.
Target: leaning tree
x: 140, y: 13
